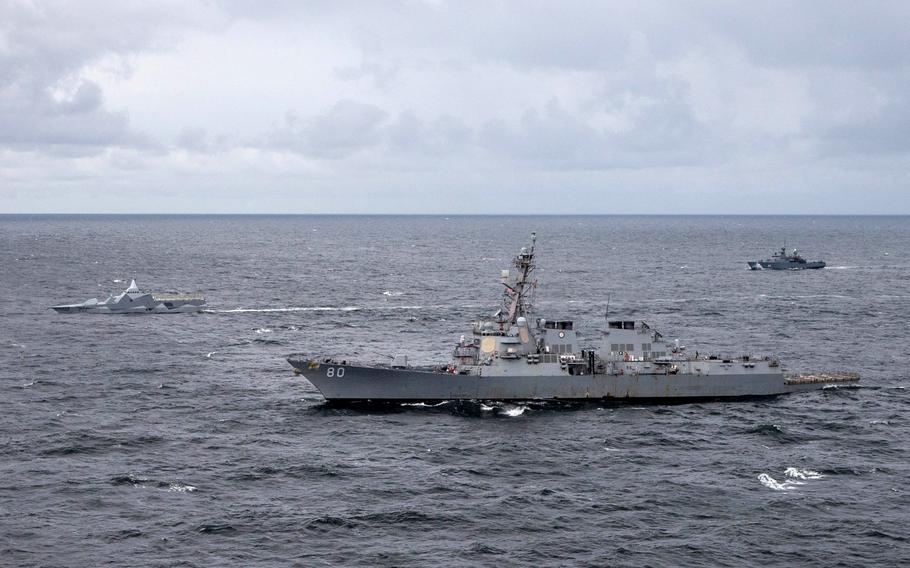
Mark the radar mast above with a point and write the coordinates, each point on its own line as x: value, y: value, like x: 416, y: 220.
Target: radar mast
x: 518, y: 287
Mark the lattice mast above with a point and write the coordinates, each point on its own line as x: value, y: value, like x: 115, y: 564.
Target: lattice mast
x: 519, y: 287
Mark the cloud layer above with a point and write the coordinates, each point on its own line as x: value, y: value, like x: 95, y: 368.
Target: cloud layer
x: 461, y: 107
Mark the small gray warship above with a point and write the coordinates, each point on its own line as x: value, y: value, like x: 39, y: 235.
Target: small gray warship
x: 135, y: 301
x: 783, y: 261
x: 513, y: 357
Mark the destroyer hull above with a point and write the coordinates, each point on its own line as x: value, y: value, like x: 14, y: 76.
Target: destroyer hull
x: 350, y: 383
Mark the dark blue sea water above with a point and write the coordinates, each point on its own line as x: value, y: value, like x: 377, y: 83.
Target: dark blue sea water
x: 185, y: 440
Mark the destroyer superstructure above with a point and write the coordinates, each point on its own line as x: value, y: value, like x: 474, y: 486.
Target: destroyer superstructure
x: 515, y: 356
x: 136, y: 301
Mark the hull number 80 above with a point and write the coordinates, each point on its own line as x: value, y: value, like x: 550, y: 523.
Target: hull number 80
x: 334, y: 372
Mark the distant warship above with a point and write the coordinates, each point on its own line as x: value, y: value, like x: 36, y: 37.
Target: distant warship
x: 135, y: 301
x: 783, y: 261
x: 510, y: 358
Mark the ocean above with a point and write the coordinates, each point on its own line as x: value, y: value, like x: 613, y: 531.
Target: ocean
x: 186, y: 440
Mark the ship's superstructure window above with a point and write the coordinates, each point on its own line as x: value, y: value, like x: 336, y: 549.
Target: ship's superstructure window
x: 556, y: 324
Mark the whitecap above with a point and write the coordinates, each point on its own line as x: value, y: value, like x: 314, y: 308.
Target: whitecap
x: 513, y: 412
x: 181, y: 488
x: 795, y: 477
x: 772, y: 483
x: 263, y: 330
x: 391, y: 293
x: 796, y: 473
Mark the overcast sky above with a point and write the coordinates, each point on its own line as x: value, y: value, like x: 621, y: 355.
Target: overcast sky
x: 454, y: 107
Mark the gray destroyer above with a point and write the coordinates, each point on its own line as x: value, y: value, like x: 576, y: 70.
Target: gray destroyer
x: 514, y: 357
x: 783, y: 261
x: 136, y: 301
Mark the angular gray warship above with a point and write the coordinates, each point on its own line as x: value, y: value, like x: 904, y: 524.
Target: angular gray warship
x: 516, y: 357
x: 135, y: 301
x: 783, y: 261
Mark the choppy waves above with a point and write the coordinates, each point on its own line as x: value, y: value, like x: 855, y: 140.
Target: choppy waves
x: 142, y: 482
x: 188, y: 440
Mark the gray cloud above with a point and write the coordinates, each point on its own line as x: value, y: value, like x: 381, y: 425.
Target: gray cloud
x: 344, y: 129
x: 194, y: 140
x: 838, y: 33
x: 444, y: 134
x: 44, y: 103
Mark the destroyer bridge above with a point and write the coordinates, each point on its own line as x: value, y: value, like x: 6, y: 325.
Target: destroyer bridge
x: 517, y: 356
